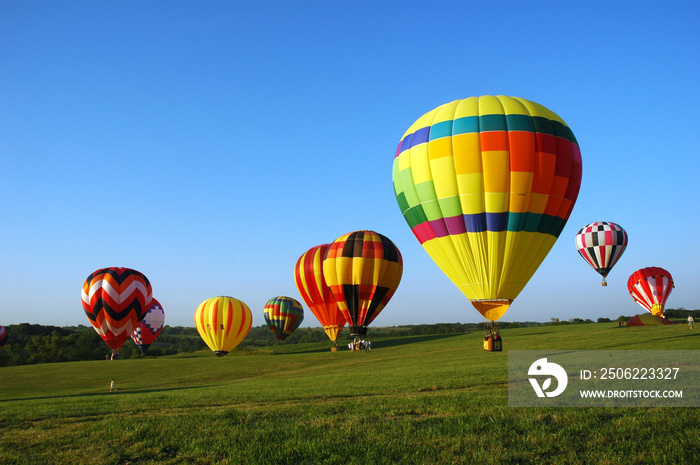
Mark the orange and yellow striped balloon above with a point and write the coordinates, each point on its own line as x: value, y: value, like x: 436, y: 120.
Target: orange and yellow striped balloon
x: 308, y: 276
x: 486, y: 185
x: 223, y: 322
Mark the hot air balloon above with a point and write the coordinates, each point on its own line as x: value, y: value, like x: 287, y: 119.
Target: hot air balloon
x: 283, y: 315
x: 487, y: 184
x: 650, y: 288
x: 150, y: 327
x: 363, y: 270
x: 3, y: 337
x: 308, y: 275
x: 647, y: 319
x: 115, y: 301
x: 601, y: 244
x: 223, y: 322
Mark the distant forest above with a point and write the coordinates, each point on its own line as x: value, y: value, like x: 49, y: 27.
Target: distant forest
x: 32, y: 343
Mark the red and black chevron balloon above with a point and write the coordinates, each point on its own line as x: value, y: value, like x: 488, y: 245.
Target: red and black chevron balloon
x: 115, y: 301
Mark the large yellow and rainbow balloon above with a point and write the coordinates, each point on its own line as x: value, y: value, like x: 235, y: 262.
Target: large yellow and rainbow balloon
x: 486, y: 185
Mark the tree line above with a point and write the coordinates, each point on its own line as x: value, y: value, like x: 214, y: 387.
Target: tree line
x: 32, y: 343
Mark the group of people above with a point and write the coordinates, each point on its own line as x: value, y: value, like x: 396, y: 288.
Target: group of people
x: 360, y: 345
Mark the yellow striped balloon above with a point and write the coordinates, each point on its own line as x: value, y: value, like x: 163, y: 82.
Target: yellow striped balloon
x: 223, y: 322
x: 486, y: 185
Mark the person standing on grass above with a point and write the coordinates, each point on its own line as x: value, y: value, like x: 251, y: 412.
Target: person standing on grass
x: 111, y: 386
x: 691, y: 321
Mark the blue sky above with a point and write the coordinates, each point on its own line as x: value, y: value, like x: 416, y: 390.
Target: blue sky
x: 209, y: 144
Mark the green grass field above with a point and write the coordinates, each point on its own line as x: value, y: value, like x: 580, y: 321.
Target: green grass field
x: 421, y: 399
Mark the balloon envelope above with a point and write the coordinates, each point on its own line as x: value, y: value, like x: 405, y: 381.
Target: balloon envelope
x: 308, y: 276
x: 647, y: 319
x: 223, y: 322
x: 650, y: 288
x: 487, y: 184
x: 283, y: 315
x: 115, y: 301
x: 3, y: 336
x: 363, y: 270
x: 150, y: 327
x: 601, y: 244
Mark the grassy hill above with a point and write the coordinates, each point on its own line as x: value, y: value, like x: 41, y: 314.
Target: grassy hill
x: 414, y: 399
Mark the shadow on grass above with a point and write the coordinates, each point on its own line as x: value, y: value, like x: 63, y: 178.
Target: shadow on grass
x: 376, y: 344
x: 680, y: 339
x: 382, y: 343
x: 108, y: 393
x: 310, y: 351
x: 538, y: 333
